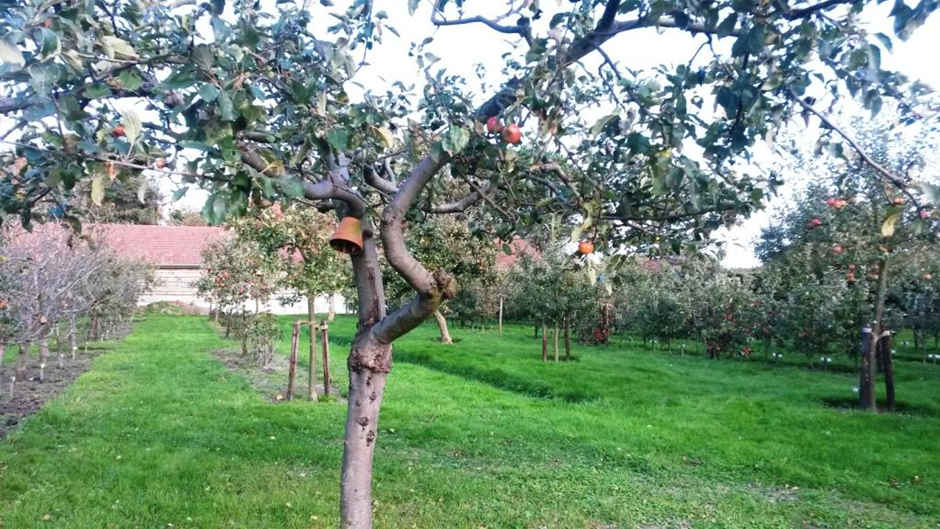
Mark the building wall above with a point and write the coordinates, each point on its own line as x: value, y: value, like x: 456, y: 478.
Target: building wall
x: 176, y: 284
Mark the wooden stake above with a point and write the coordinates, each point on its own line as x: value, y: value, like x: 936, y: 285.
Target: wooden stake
x: 325, y: 340
x: 293, y: 360
x: 544, y: 344
x: 555, y: 337
x: 500, y: 315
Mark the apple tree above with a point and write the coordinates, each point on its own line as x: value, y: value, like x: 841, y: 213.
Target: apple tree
x: 257, y: 101
x: 866, y: 223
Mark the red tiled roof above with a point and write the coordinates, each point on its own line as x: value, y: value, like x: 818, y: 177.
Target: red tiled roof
x: 518, y: 247
x: 159, y: 245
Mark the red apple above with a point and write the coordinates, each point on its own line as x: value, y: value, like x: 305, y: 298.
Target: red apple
x: 585, y: 247
x: 118, y: 132
x: 837, y: 248
x: 814, y: 222
x: 512, y: 134
x: 493, y: 125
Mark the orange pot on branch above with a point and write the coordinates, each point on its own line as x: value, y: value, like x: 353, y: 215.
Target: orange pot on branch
x: 348, y: 236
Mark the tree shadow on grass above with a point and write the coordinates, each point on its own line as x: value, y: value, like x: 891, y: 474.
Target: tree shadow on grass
x: 495, y: 377
x: 900, y: 407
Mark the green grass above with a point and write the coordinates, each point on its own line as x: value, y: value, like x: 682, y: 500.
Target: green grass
x: 478, y: 434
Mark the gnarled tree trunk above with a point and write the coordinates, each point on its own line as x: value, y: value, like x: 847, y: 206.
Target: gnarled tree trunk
x: 331, y: 314
x: 370, y: 358
x: 442, y: 327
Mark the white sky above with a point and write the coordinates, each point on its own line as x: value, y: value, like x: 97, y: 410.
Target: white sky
x: 465, y: 46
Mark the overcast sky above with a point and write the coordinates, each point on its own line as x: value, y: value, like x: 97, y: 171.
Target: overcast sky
x: 463, y: 47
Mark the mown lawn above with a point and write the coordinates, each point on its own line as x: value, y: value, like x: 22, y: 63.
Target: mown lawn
x: 478, y: 434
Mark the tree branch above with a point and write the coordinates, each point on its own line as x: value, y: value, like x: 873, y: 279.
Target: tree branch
x: 393, y: 238
x: 522, y: 29
x: 890, y: 176
x: 792, y: 14
x: 458, y: 206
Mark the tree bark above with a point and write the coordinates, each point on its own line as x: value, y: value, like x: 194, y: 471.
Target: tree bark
x: 331, y: 315
x: 866, y: 382
x: 3, y: 350
x: 885, y: 342
x: 567, y: 338
x: 312, y: 367
x: 44, y: 350
x: 369, y: 363
x: 535, y: 332
x: 500, y: 315
x: 442, y: 327
x: 292, y: 363
x: 555, y: 338
x: 867, y: 377
x: 544, y: 344
x: 325, y: 341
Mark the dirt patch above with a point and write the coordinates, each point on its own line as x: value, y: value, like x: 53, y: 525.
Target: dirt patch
x: 29, y: 393
x: 271, y: 381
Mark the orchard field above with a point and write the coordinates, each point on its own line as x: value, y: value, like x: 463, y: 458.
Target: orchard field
x: 159, y: 433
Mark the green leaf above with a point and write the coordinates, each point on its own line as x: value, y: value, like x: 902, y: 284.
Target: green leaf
x: 456, y: 139
x: 226, y: 109
x: 11, y: 54
x: 117, y: 48
x: 885, y: 40
x: 178, y: 194
x: 338, y: 138
x: 889, y: 225
x: 727, y: 25
x: 209, y: 92
x: 203, y: 57
x: 50, y: 42
x: 98, y: 183
x: 132, y: 126
x: 601, y: 123
x: 130, y: 80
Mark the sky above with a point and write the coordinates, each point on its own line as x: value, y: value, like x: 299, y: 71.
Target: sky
x: 464, y: 46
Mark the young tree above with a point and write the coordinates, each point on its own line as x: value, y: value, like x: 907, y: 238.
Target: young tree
x: 865, y: 222
x: 238, y: 274
x: 262, y: 101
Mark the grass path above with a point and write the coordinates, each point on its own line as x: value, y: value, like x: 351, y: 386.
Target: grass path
x: 159, y: 433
